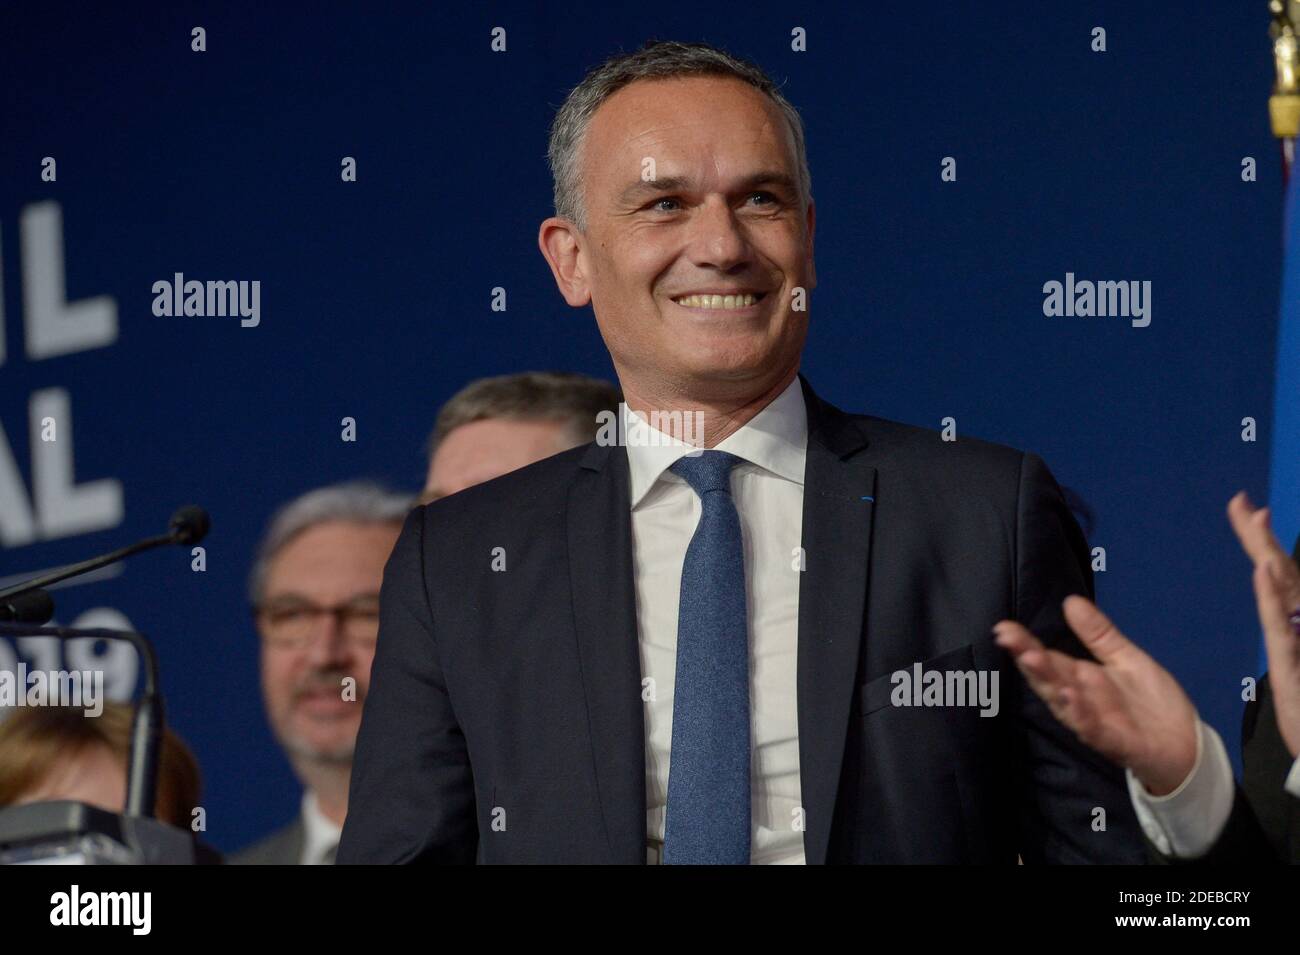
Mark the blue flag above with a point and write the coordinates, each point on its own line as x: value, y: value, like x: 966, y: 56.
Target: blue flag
x: 1284, y: 469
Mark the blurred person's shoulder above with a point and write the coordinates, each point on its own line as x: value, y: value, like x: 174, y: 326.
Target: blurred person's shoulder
x: 282, y: 847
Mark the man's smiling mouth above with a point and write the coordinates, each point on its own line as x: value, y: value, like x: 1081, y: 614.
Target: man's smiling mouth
x: 719, y: 301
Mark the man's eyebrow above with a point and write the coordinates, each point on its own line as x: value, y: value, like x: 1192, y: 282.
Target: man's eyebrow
x: 288, y: 599
x: 647, y: 188
x: 291, y: 599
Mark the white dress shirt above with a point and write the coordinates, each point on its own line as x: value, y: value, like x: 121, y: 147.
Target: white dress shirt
x: 1187, y: 822
x: 320, y: 833
x: 767, y: 487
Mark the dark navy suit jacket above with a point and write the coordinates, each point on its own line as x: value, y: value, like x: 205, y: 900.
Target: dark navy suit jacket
x: 504, y: 721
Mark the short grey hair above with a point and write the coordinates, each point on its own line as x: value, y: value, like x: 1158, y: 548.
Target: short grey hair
x: 360, y: 502
x: 574, y: 399
x: 656, y: 60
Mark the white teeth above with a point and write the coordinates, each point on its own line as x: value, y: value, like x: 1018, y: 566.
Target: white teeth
x: 717, y: 301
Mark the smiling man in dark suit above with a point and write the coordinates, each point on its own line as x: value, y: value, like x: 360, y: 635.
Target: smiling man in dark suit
x: 640, y: 650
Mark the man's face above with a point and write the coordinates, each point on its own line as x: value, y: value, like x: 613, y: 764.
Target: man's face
x: 481, y: 450
x: 723, y: 214
x: 307, y: 654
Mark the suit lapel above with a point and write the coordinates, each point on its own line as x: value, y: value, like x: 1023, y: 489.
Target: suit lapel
x: 599, y: 521
x: 838, y: 505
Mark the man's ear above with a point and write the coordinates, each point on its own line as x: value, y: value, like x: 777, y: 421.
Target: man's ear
x: 560, y: 242
x: 812, y: 227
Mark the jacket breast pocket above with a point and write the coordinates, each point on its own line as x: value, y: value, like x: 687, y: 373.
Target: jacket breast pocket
x: 910, y: 682
x: 914, y: 761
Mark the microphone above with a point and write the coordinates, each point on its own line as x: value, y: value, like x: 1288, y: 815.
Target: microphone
x: 27, y: 602
x: 32, y: 606
x: 188, y: 525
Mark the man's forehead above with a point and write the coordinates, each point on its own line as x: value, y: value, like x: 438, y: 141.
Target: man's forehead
x: 661, y: 113
x: 333, y: 546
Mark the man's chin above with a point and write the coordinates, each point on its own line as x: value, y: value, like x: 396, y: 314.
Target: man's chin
x: 324, y: 752
x: 725, y: 365
x: 333, y: 746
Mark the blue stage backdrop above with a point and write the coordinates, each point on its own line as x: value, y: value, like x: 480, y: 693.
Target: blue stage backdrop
x: 1148, y: 162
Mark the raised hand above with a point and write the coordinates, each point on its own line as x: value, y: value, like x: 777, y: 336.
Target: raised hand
x: 1277, y: 600
x: 1125, y: 705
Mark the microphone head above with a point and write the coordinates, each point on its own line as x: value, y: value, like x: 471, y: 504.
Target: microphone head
x: 33, y: 606
x: 190, y: 524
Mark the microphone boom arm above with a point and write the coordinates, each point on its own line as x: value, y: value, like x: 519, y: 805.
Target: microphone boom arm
x: 84, y: 567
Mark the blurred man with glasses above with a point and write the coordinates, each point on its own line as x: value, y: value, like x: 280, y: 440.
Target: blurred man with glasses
x: 315, y: 594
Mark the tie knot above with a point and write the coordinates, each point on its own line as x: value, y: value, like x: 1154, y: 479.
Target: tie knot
x: 707, y: 471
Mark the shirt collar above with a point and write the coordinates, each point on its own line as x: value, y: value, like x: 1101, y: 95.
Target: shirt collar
x: 775, y: 439
x: 319, y: 832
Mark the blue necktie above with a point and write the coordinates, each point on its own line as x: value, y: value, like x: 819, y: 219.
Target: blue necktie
x: 708, y: 816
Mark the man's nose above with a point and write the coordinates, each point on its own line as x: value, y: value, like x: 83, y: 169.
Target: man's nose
x: 718, y: 238
x: 329, y: 644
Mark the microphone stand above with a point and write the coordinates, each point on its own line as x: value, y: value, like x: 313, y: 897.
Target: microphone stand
x: 136, y: 831
x: 147, y: 724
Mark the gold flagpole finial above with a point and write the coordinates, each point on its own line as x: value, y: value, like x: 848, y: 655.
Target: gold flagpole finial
x: 1284, y: 104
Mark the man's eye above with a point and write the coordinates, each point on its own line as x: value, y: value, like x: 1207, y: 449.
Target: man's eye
x: 656, y: 204
x: 766, y: 195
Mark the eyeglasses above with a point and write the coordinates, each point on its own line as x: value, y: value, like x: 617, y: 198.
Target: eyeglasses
x: 293, y: 625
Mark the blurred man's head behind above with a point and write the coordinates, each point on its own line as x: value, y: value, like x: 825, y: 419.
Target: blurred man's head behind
x: 315, y: 592
x: 496, y: 425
